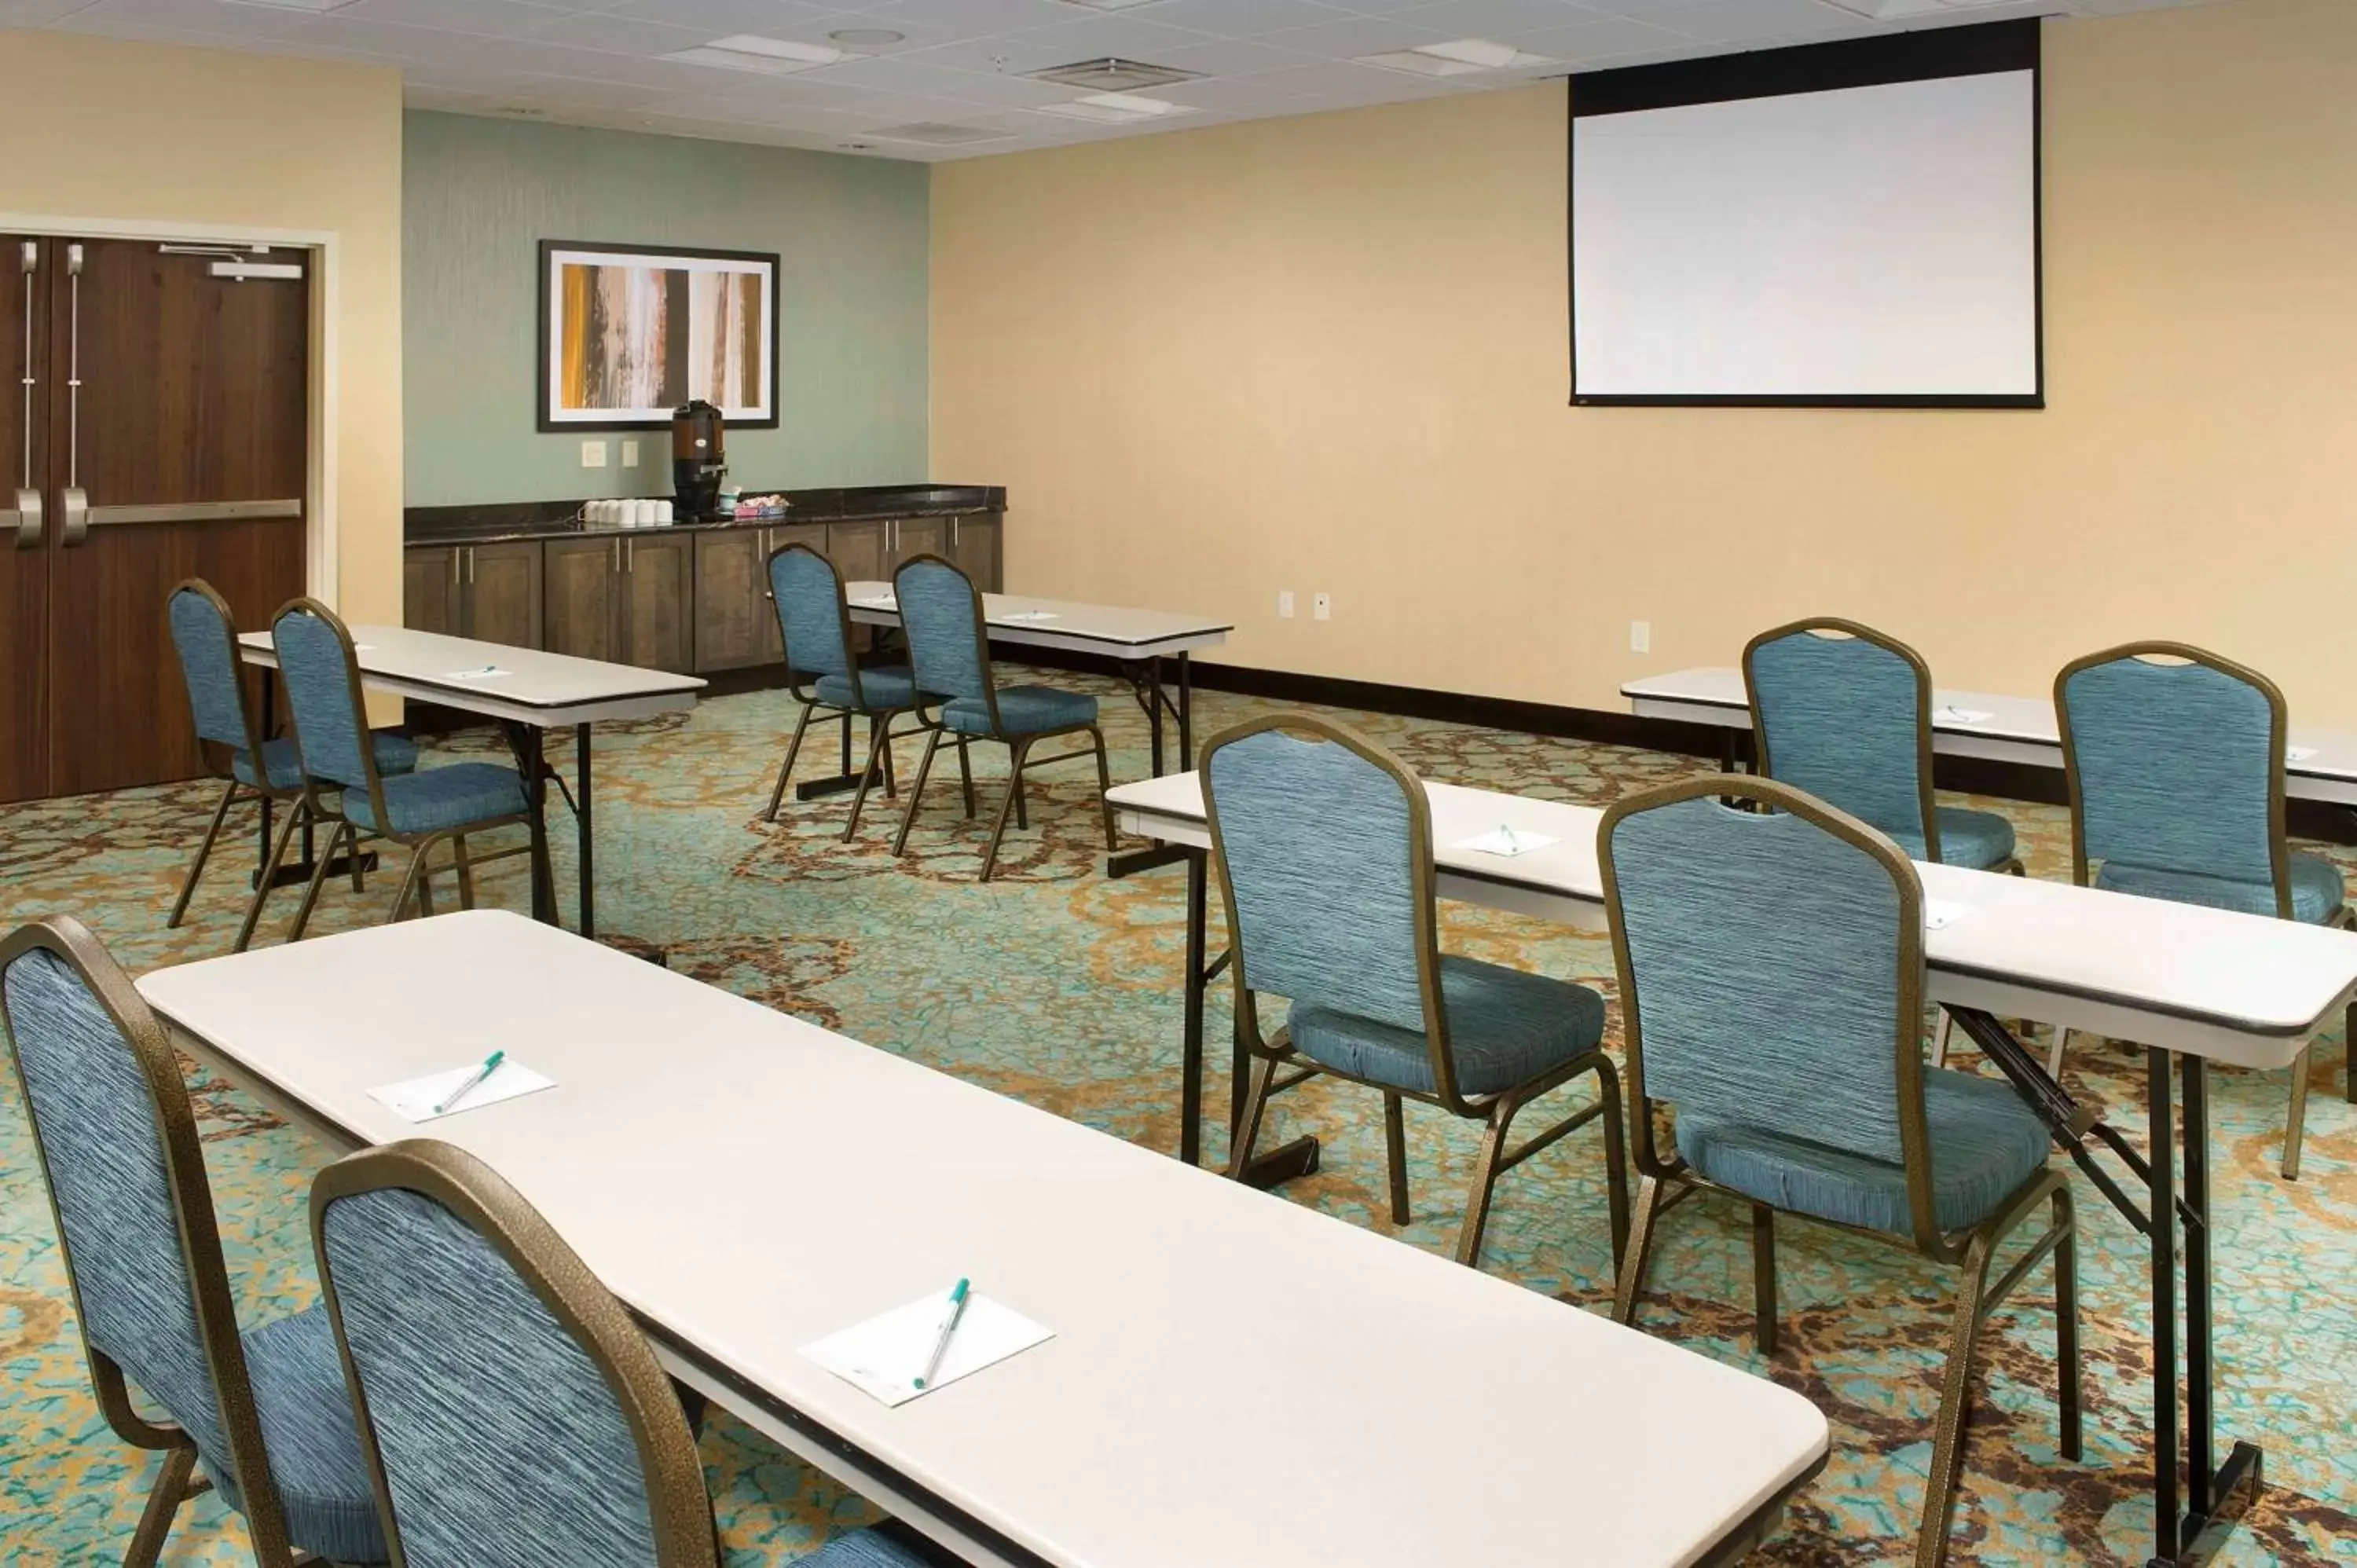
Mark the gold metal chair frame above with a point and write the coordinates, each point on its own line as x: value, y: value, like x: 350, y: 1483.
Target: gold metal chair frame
x: 678, y: 1505
x: 200, y: 1254
x: 418, y: 881
x: 805, y: 691
x: 1666, y: 1182
x: 1271, y: 1053
x: 1019, y: 747
x: 261, y: 790
x: 2278, y: 848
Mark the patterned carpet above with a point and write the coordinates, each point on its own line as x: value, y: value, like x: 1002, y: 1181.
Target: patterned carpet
x: 1058, y: 986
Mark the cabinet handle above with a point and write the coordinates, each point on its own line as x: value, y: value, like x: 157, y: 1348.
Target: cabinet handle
x: 630, y: 555
x: 618, y: 557
x: 456, y: 553
x: 470, y: 566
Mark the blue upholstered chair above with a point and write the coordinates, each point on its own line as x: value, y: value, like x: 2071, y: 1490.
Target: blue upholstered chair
x: 826, y: 676
x: 1772, y: 987
x: 2176, y: 764
x: 941, y: 612
x: 264, y: 1410
x: 1324, y: 844
x: 512, y: 1414
x: 419, y: 809
x: 206, y: 639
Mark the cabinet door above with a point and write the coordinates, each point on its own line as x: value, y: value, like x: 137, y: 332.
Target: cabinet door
x: 430, y: 588
x: 659, y: 601
x: 857, y: 551
x: 914, y: 536
x: 732, y: 600
x: 974, y: 546
x: 582, y: 596
x: 503, y: 592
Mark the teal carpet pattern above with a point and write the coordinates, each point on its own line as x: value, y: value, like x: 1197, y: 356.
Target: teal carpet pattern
x: 1061, y: 988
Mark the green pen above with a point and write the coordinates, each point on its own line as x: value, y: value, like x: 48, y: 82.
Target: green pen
x: 954, y: 1311
x: 474, y: 1081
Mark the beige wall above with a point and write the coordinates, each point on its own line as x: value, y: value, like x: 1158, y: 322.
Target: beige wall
x: 102, y: 129
x: 1328, y: 352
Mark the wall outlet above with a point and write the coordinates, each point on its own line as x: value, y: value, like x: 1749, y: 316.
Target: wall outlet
x: 1641, y: 636
x: 1321, y: 607
x: 593, y: 454
x: 629, y: 454
x: 1284, y: 604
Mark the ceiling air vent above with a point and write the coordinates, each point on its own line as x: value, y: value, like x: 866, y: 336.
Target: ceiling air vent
x: 1113, y: 75
x: 933, y: 133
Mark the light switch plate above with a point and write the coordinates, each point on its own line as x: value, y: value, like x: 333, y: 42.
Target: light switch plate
x: 1285, y: 603
x: 1641, y: 636
x: 1321, y: 607
x: 629, y: 454
x: 593, y: 454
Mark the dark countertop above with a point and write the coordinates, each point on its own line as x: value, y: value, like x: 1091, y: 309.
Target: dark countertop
x: 493, y: 522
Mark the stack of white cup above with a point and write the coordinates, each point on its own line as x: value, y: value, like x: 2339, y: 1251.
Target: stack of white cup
x: 627, y: 513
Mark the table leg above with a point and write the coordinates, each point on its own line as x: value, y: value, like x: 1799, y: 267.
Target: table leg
x: 1147, y: 684
x: 1186, y: 712
x: 1191, y: 1087
x: 2218, y: 1496
x: 588, y: 838
x: 1153, y: 695
x: 2167, y: 1431
x: 532, y: 765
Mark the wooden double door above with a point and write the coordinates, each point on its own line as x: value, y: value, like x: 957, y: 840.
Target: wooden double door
x: 160, y: 431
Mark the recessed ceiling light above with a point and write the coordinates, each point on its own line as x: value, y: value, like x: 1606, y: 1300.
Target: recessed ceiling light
x: 1112, y: 74
x: 1459, y: 57
x: 871, y: 36
x: 1116, y: 108
x: 771, y: 56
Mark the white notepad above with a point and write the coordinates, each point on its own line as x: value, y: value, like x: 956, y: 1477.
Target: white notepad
x: 1939, y: 912
x: 885, y: 1356
x: 415, y: 1099
x: 1030, y: 615
x: 1955, y: 716
x: 1504, y: 841
x: 2298, y: 753
x: 876, y: 602
x: 488, y: 673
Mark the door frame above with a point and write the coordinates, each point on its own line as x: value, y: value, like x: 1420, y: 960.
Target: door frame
x: 322, y: 396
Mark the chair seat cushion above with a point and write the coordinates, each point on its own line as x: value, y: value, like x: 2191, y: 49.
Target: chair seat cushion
x: 441, y: 797
x: 283, y: 765
x: 887, y: 688
x: 314, y: 1442
x: 1982, y: 841
x: 1022, y: 710
x: 864, y: 1549
x: 1985, y: 1143
x: 1506, y: 1026
x: 2316, y: 893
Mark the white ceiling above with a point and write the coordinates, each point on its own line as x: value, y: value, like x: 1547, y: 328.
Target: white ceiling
x: 595, y: 62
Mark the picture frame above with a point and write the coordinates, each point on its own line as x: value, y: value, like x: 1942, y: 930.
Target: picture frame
x: 628, y: 333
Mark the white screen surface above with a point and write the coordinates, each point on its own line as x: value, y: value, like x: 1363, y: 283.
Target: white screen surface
x: 1868, y: 241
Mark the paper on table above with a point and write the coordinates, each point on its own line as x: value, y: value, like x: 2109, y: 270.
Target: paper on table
x: 2298, y: 753
x: 1030, y: 614
x: 1505, y: 841
x: 415, y: 1099
x: 488, y: 673
x: 876, y: 602
x: 884, y: 1355
x: 1939, y: 912
x: 1951, y: 715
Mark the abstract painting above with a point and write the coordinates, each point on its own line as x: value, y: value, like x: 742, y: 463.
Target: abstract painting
x: 626, y: 334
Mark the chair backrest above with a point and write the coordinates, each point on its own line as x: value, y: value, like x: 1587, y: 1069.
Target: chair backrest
x: 1771, y: 965
x: 941, y: 612
x: 2176, y: 763
x: 1844, y: 712
x: 1324, y: 845
x: 511, y: 1411
x: 321, y: 671
x: 812, y: 615
x: 205, y: 636
x: 117, y: 1140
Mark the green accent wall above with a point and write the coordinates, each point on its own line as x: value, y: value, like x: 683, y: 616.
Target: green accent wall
x: 479, y: 195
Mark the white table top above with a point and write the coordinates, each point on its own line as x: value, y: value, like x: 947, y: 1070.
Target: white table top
x: 2242, y: 989
x: 544, y: 688
x: 2018, y: 729
x: 757, y: 1182
x: 1061, y: 623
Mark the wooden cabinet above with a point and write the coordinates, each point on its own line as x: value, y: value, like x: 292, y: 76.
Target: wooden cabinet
x: 487, y: 591
x: 859, y: 549
x: 582, y: 597
x: 974, y: 546
x: 914, y: 536
x: 658, y: 601
x: 732, y: 598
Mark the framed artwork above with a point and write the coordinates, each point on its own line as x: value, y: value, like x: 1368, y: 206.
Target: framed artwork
x: 628, y: 333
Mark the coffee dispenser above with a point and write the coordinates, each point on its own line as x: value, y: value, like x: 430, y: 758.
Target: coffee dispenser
x: 698, y: 460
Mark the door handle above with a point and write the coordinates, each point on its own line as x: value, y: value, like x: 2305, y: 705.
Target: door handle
x: 192, y: 512
x: 75, y: 500
x: 77, y: 517
x: 26, y: 520
x: 27, y: 517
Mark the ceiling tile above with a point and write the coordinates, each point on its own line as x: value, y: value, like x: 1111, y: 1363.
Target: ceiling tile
x: 1764, y: 21
x: 1599, y: 39
x: 1232, y: 57
x: 1504, y: 20
x: 37, y: 13
x: 1241, y: 18
x: 619, y: 35
x: 1089, y: 37
x: 491, y: 18
x: 1351, y: 36
x: 205, y: 17
x: 885, y: 74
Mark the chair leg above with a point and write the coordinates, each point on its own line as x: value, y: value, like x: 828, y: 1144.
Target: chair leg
x: 465, y: 871
x: 2349, y: 1054
x: 1763, y: 1279
x: 408, y: 884
x: 269, y: 875
x: 965, y: 777
x: 1940, y: 1037
x: 2295, y: 1124
x: 204, y: 850
x: 1485, y: 1178
x: 425, y: 886
x: 1104, y: 788
x: 2066, y: 1324
x: 2054, y: 1053
x: 1955, y: 1408
x: 1395, y: 1152
x: 1016, y: 753
x: 867, y: 771
x: 891, y: 785
x: 915, y: 791
x: 1616, y: 1163
x: 786, y: 773
x: 319, y: 878
x: 164, y: 1500
x: 1636, y: 1256
x: 1248, y: 1125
